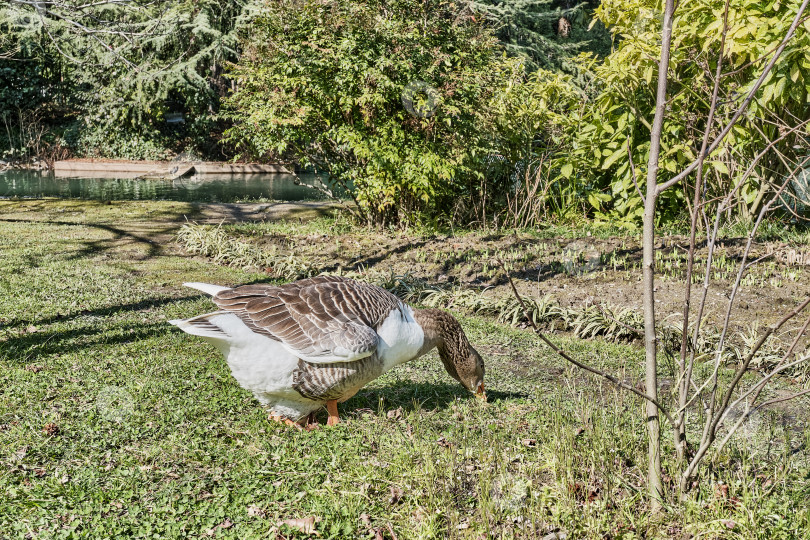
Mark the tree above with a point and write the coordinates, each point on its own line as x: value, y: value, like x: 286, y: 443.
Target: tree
x: 745, y: 387
x: 124, y: 64
x: 547, y: 34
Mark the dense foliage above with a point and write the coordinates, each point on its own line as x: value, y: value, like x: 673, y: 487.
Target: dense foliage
x: 470, y: 112
x: 117, y: 71
x: 391, y: 99
x: 619, y: 117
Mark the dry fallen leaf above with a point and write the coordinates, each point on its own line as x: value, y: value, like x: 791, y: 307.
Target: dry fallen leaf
x: 396, y: 495
x: 376, y: 531
x: 730, y: 523
x: 305, y: 525
x: 395, y: 414
x: 441, y: 441
x: 531, y: 443
x: 582, y: 492
x: 51, y: 429
x: 256, y: 511
x: 766, y: 480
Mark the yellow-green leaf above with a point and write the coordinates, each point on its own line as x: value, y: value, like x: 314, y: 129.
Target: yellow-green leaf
x: 719, y: 166
x: 614, y: 157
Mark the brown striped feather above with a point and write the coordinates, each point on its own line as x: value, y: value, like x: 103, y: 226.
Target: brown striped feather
x: 315, y: 317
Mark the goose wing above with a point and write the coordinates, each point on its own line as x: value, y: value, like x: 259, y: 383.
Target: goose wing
x: 324, y: 319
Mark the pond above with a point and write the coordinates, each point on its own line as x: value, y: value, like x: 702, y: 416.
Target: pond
x: 200, y: 188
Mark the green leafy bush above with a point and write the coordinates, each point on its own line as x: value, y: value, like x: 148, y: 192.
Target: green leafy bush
x: 619, y: 117
x: 530, y: 116
x: 387, y: 97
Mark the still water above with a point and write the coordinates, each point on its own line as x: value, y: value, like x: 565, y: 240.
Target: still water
x: 200, y: 188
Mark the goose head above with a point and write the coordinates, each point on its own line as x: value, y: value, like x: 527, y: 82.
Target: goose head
x: 460, y: 359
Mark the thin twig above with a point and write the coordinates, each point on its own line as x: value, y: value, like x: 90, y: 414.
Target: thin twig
x: 577, y: 363
x: 714, y: 419
x: 778, y: 368
x: 786, y: 398
x: 742, y: 418
x: 686, y: 373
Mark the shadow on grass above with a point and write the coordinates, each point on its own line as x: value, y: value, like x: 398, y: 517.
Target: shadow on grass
x: 29, y: 346
x: 411, y: 396
x: 141, y: 305
x: 119, y: 235
x: 382, y: 255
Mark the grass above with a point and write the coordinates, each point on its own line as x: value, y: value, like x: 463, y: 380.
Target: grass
x: 115, y: 424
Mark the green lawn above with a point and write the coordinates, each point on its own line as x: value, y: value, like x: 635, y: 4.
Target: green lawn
x: 115, y: 424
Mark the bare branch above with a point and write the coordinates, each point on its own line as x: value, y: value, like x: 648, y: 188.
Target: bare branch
x: 686, y: 373
x: 748, y: 413
x: 714, y: 419
x: 778, y: 368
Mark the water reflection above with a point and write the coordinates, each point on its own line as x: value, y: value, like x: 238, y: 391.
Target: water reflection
x: 202, y: 188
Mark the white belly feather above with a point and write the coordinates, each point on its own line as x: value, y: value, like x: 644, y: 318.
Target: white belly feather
x: 261, y: 365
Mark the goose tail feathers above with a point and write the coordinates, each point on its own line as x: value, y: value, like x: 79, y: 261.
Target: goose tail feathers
x: 207, y: 288
x: 202, y: 326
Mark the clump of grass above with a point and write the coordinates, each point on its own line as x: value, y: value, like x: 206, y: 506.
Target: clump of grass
x: 618, y: 324
x: 214, y: 242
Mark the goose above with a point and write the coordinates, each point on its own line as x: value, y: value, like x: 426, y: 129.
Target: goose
x: 317, y: 341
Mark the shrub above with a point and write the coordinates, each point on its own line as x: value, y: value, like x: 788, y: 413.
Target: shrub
x: 388, y: 97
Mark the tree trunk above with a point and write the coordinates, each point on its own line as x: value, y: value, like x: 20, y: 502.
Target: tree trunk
x: 654, y: 481
x: 655, y: 485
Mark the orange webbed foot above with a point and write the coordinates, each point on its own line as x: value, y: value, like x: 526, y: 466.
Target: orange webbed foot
x: 285, y: 421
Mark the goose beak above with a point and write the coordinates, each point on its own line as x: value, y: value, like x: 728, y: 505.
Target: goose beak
x: 480, y: 393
